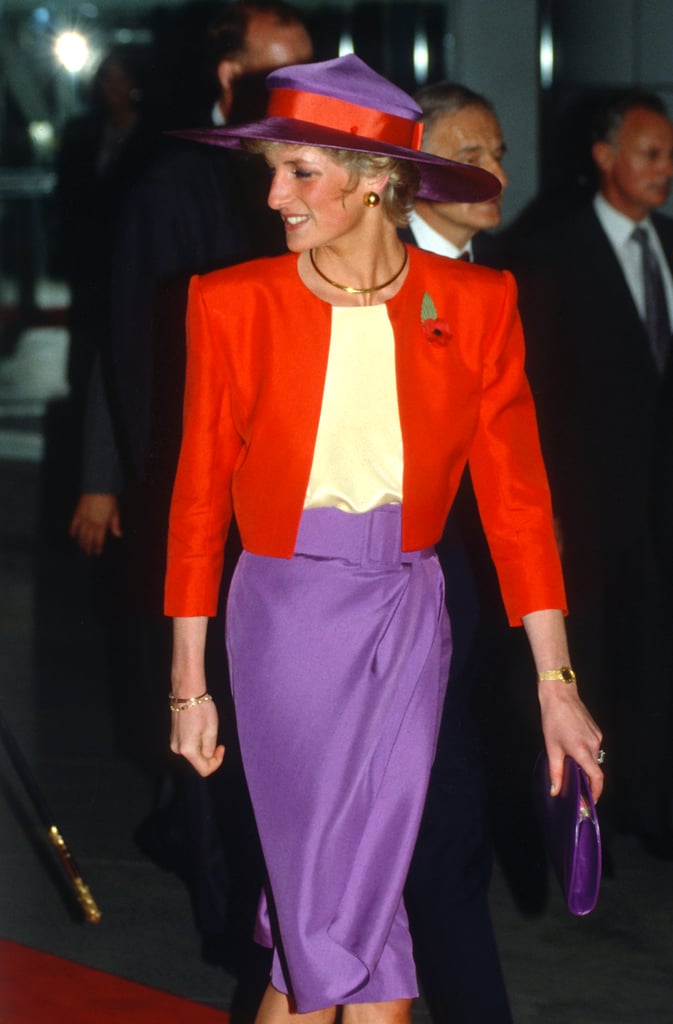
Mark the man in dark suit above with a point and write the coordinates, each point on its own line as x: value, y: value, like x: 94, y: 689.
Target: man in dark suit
x: 102, y: 153
x: 447, y: 889
x: 190, y: 214
x: 462, y: 123
x: 597, y: 300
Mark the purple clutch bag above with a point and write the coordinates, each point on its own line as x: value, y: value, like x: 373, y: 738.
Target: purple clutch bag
x: 571, y: 832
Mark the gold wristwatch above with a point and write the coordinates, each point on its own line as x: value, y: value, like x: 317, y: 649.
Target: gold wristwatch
x: 565, y: 673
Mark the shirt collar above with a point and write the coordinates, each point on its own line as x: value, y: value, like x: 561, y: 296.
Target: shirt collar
x: 217, y: 117
x: 616, y: 225
x: 428, y: 238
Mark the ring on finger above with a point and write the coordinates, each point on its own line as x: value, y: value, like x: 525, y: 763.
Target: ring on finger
x: 600, y: 756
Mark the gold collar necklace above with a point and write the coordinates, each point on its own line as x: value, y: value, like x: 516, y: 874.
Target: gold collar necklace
x: 358, y: 291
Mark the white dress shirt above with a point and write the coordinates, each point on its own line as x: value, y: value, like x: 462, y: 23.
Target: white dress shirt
x: 619, y: 230
x: 216, y: 115
x: 427, y: 238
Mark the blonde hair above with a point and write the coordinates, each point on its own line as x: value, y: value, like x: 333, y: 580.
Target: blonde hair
x: 398, y: 195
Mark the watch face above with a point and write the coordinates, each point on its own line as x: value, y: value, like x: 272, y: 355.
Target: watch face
x: 568, y: 675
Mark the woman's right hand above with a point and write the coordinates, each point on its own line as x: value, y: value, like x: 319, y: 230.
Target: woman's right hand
x: 193, y: 729
x: 194, y: 736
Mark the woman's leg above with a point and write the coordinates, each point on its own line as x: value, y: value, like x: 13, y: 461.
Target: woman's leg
x: 397, y: 1011
x: 275, y: 1009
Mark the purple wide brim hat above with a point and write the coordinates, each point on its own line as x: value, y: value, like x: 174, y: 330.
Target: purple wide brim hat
x: 343, y: 104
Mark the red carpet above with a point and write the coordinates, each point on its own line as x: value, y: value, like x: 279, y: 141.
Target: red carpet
x: 38, y: 988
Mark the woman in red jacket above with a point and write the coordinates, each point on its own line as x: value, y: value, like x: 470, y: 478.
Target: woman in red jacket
x: 334, y: 396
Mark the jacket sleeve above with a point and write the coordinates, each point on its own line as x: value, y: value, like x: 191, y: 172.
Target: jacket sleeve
x: 201, y: 507
x: 509, y: 477
x: 102, y: 471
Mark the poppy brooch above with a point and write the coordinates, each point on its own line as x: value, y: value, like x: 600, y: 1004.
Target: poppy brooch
x: 435, y: 329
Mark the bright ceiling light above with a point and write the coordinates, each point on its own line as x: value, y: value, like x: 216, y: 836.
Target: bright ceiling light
x: 421, y: 57
x: 41, y: 133
x: 72, y: 50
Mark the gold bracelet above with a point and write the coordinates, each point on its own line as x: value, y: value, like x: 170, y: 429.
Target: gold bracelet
x: 565, y: 673
x: 183, y: 703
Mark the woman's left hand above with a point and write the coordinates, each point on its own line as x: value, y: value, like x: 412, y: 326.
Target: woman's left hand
x: 568, y: 727
x: 570, y: 730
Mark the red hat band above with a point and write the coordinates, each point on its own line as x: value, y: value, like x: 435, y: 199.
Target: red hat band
x: 346, y: 117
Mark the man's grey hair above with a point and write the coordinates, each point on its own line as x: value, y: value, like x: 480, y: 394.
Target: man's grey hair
x: 610, y: 115
x: 448, y: 98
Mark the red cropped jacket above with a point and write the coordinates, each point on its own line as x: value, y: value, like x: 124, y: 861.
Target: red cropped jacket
x: 257, y: 348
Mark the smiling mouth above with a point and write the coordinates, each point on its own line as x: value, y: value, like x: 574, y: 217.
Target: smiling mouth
x: 294, y: 220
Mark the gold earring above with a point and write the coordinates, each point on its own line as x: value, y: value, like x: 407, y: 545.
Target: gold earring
x: 371, y: 199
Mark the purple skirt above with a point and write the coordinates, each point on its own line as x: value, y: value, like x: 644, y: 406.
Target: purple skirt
x: 339, y: 658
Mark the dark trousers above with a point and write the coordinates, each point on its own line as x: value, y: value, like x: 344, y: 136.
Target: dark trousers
x: 447, y: 888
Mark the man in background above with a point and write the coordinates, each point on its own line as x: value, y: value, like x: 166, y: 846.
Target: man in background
x: 460, y: 125
x: 597, y: 301
x: 447, y: 890
x: 187, y: 216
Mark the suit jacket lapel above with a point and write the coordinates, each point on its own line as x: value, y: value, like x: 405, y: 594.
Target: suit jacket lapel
x: 600, y: 260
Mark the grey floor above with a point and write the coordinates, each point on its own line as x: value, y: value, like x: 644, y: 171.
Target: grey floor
x: 615, y: 966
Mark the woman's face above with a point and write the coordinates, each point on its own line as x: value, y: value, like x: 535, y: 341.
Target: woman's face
x: 308, y: 189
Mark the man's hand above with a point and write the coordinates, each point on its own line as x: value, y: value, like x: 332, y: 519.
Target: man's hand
x: 94, y: 516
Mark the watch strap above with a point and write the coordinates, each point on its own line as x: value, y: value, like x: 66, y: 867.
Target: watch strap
x: 565, y: 674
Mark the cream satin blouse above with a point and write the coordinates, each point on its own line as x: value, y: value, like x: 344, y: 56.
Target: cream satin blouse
x: 357, y: 463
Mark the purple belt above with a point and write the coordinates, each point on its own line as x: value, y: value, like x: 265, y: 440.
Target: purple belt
x: 370, y: 540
